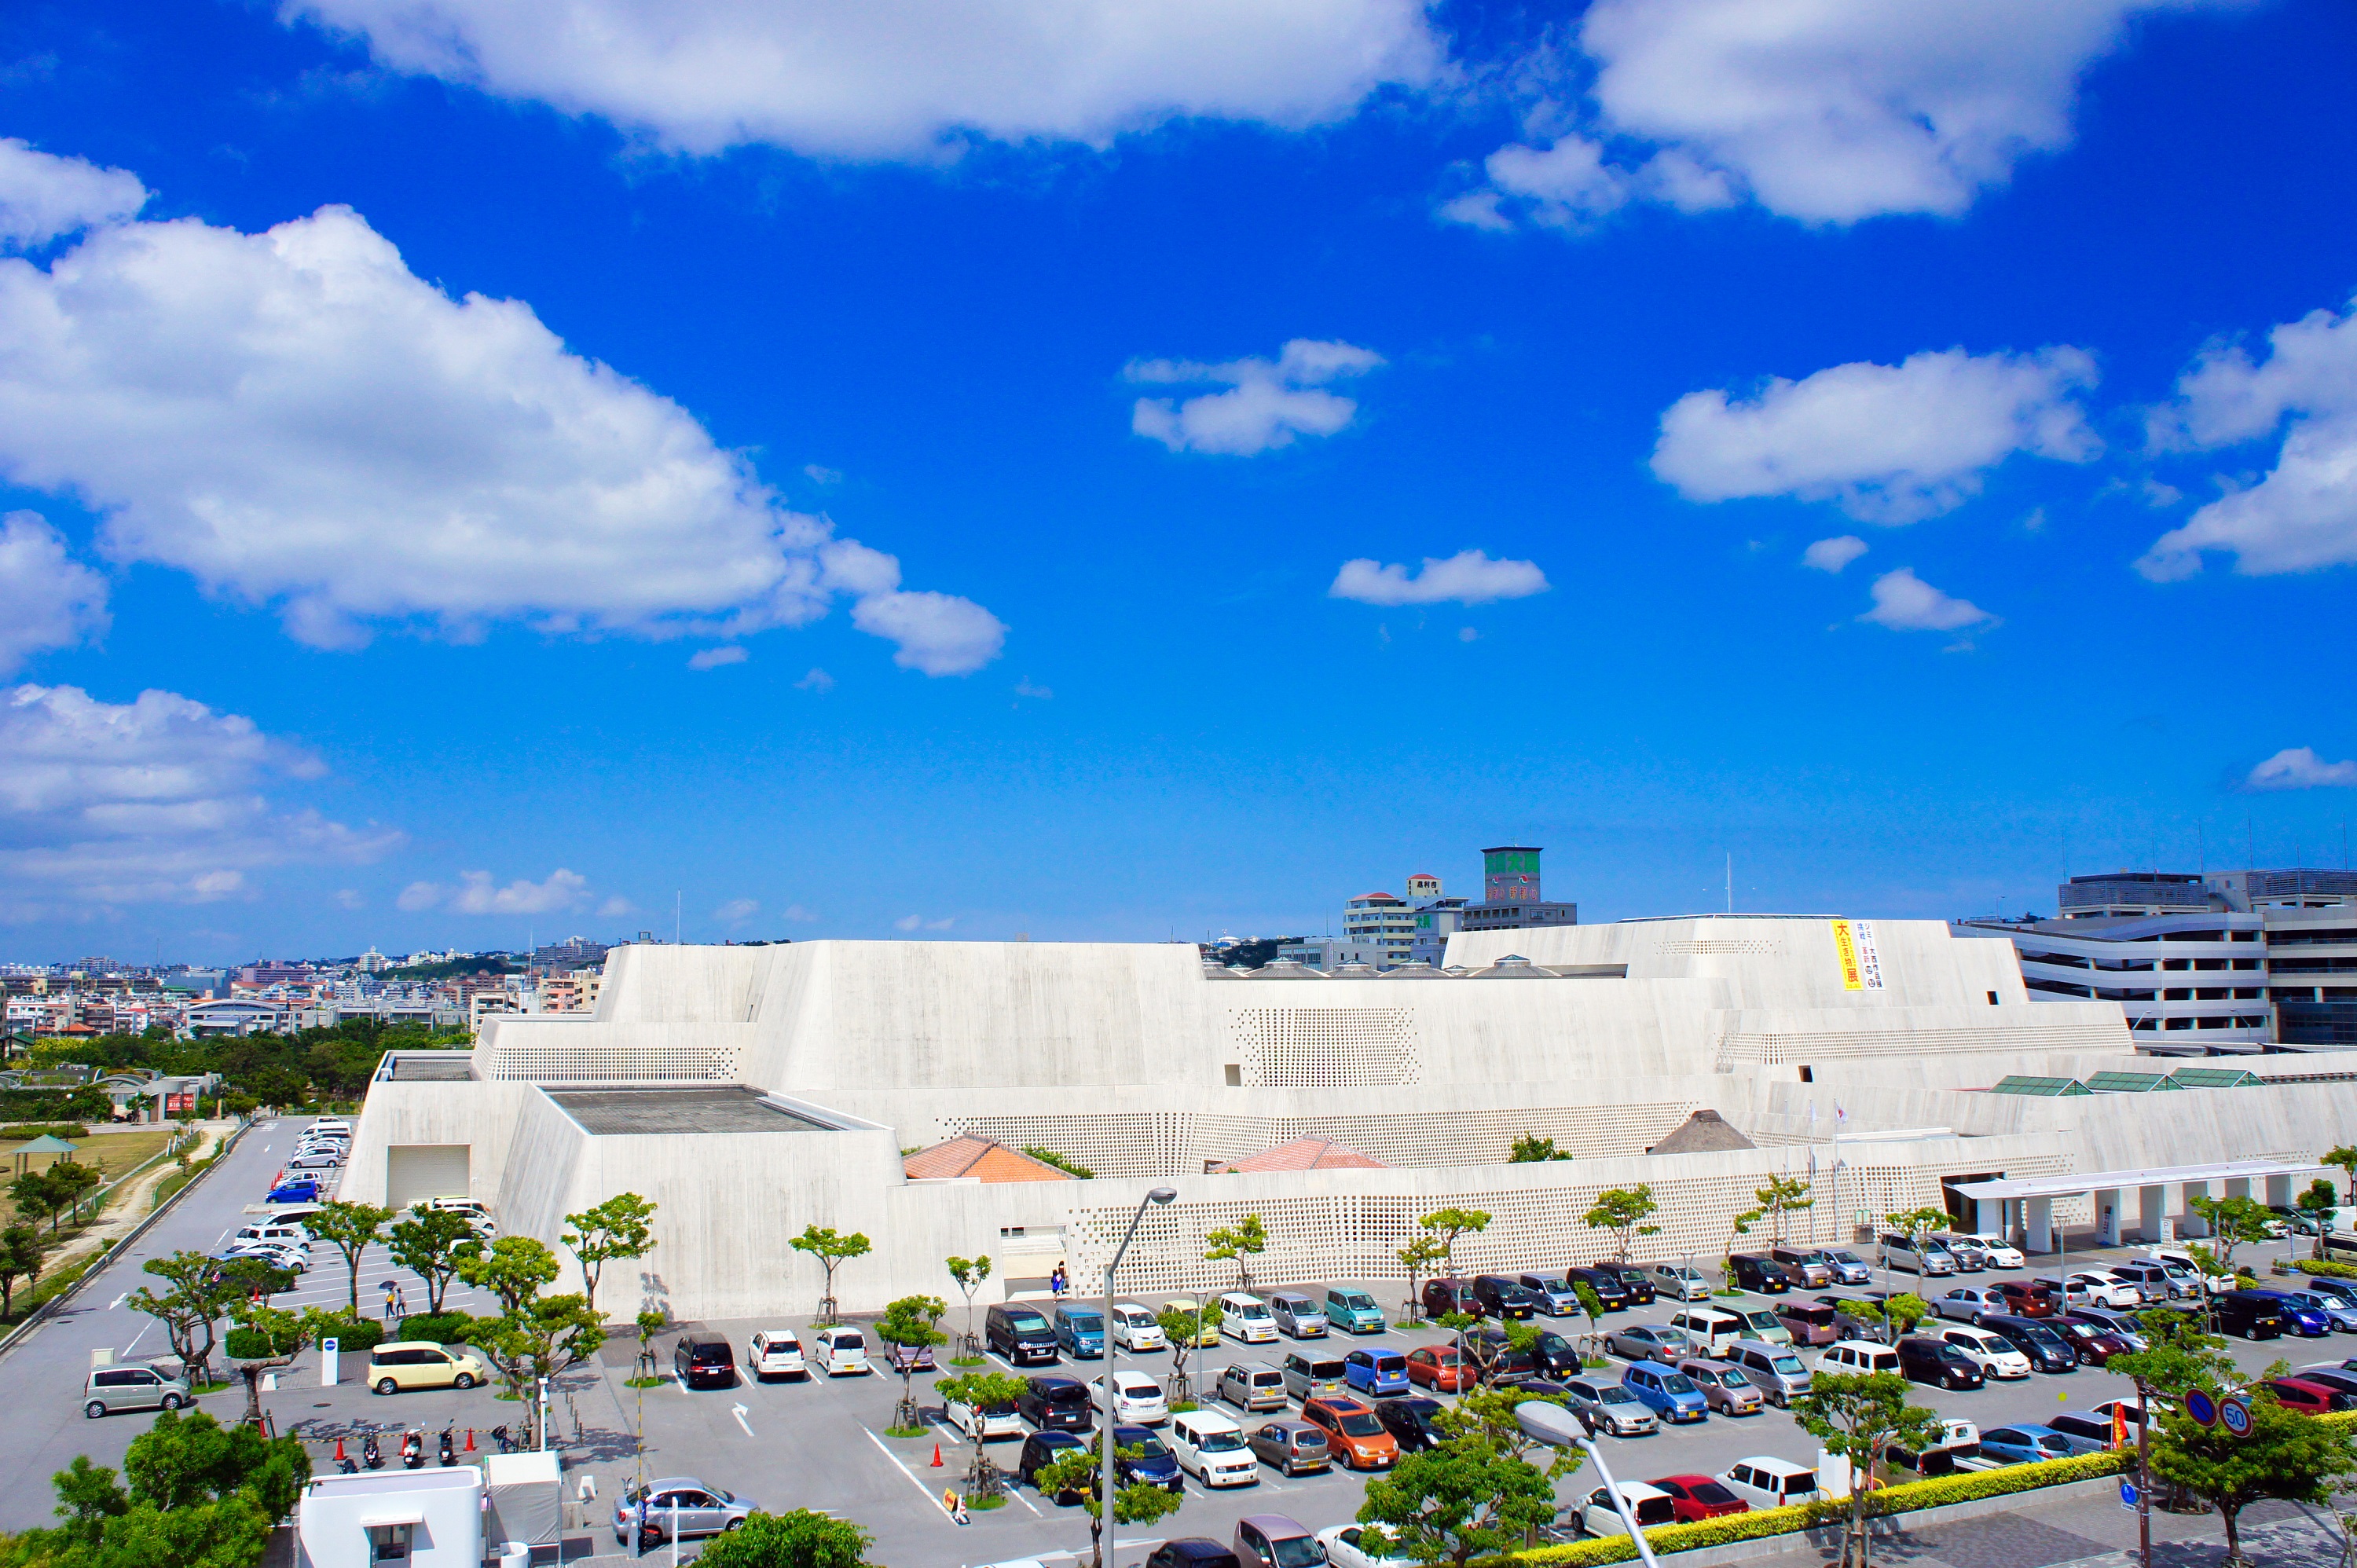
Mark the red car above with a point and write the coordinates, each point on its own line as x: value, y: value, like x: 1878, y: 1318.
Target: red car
x: 1698, y: 1496
x: 1444, y: 1296
x: 2094, y: 1346
x: 2027, y: 1301
x: 1437, y: 1367
x: 2308, y: 1399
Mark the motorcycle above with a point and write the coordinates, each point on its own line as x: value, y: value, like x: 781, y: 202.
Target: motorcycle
x: 371, y: 1455
x: 449, y: 1453
x: 412, y: 1450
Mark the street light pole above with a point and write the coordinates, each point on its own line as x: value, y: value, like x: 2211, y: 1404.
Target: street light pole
x: 1105, y: 1432
x: 1620, y: 1503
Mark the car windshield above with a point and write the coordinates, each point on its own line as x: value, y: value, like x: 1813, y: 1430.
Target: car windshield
x: 1220, y: 1442
x: 1615, y: 1396
x: 2040, y: 1335
x: 1301, y: 1551
x: 1552, y: 1288
x: 1027, y: 1322
x: 1841, y: 1257
x: 1789, y: 1366
x: 1148, y: 1447
x: 1360, y: 1424
x: 1553, y: 1344
x: 1085, y: 1321
x: 1678, y: 1383
x: 1762, y: 1319
x: 1355, y: 1300
x: 1734, y: 1379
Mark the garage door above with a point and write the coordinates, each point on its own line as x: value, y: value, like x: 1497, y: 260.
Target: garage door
x: 414, y: 1171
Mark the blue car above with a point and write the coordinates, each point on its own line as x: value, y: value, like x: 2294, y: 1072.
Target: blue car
x: 1672, y: 1394
x: 1154, y: 1463
x: 2339, y: 1309
x: 1377, y: 1372
x: 294, y: 1192
x: 2028, y: 1442
x: 2299, y: 1312
x: 1080, y: 1332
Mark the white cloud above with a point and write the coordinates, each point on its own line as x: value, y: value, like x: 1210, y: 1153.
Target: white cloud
x: 43, y: 197
x: 918, y: 923
x: 2303, y: 514
x: 1024, y: 688
x: 296, y: 418
x: 1832, y: 554
x: 477, y: 894
x: 939, y: 634
x: 617, y: 905
x: 1468, y: 577
x: 1467, y: 634
x: 50, y: 599
x: 1268, y: 403
x: 845, y: 78
x: 1904, y: 602
x: 714, y: 658
x: 350, y: 899
x: 796, y: 912
x: 820, y: 475
x: 736, y: 911
x: 1893, y: 444
x: 154, y: 800
x: 2298, y: 768
x: 817, y: 680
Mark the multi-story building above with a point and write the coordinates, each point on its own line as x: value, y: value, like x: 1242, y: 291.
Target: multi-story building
x: 1331, y: 953
x: 1385, y: 922
x: 1511, y: 900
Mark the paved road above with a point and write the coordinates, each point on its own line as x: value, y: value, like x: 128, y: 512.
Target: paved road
x: 41, y: 1378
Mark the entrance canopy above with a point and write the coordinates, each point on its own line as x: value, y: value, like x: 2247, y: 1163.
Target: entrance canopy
x: 2113, y: 1181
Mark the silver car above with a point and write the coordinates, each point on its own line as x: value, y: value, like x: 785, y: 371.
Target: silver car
x: 1650, y: 1342
x: 1253, y: 1386
x: 1726, y: 1389
x: 1611, y: 1408
x: 133, y: 1387
x: 677, y: 1507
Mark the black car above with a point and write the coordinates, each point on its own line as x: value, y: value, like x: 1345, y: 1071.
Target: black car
x: 1408, y: 1418
x: 2252, y: 1314
x: 1042, y: 1449
x: 1444, y: 1296
x: 2047, y: 1351
x: 1635, y: 1280
x: 1555, y: 1354
x: 1056, y: 1404
x: 1493, y: 1356
x: 1018, y: 1334
x: 1502, y: 1297
x: 1606, y: 1283
x: 1195, y: 1551
x: 1751, y: 1272
x: 1153, y: 1462
x: 704, y: 1361
x: 1939, y: 1363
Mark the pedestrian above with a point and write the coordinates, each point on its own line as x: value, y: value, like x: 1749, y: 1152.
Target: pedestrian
x: 400, y: 1302
x: 1056, y: 1282
x: 387, y: 1313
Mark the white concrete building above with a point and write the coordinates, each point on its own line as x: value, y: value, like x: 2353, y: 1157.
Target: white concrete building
x: 427, y: 1518
x: 752, y: 1091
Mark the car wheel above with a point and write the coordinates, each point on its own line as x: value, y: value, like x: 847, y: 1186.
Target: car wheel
x: 94, y: 1409
x: 734, y: 1524
x: 386, y: 1386
x: 463, y: 1381
x: 173, y: 1402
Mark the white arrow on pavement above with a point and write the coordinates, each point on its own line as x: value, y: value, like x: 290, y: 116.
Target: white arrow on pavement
x: 739, y: 1411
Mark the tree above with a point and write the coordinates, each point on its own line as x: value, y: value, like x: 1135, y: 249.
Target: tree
x: 20, y: 1258
x: 1623, y: 1210
x: 1856, y: 1415
x: 1051, y: 1157
x: 1079, y: 1472
x: 2321, y: 1203
x: 35, y: 1195
x: 1184, y: 1331
x: 1906, y: 1310
x: 798, y: 1539
x: 617, y: 1229
x: 1238, y: 1243
x: 1445, y: 1225
x: 1591, y: 1306
x: 2234, y: 1222
x: 349, y: 1228
x: 542, y: 1338
x: 1416, y: 1257
x: 1781, y: 1197
x: 266, y: 1337
x: 970, y: 1274
x: 2343, y: 1159
x: 911, y: 1324
x: 1472, y: 1494
x: 198, y: 1293
x: 2178, y: 1357
x: 429, y: 1244
x: 72, y: 1183
x: 199, y: 1496
x: 982, y: 1391
x: 512, y: 1269
x: 831, y: 1251
x: 2285, y: 1455
x: 1533, y: 1150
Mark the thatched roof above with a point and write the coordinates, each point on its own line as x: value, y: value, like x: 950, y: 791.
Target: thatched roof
x: 1704, y: 1132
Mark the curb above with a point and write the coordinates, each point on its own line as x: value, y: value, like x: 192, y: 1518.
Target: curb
x: 106, y: 1255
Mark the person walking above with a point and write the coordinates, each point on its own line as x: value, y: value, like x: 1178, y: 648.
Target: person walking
x: 400, y: 1302
x: 1056, y: 1282
x: 386, y: 1315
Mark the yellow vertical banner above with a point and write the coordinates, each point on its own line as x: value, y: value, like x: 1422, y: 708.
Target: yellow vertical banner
x: 1845, y: 951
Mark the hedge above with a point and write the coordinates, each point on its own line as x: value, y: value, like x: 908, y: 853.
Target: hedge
x: 2325, y: 1268
x: 443, y: 1328
x: 355, y: 1334
x: 1905, y: 1497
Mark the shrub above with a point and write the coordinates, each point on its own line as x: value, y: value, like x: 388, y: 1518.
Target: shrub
x: 2325, y: 1268
x: 442, y: 1328
x: 351, y: 1333
x: 70, y: 1131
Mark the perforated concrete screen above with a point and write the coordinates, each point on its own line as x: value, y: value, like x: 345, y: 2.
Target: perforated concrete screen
x: 594, y: 1060
x: 1301, y: 1047
x: 1722, y: 948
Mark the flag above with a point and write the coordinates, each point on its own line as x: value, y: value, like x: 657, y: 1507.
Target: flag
x: 2119, y: 1426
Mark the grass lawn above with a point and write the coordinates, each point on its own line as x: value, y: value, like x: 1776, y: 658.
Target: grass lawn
x: 120, y: 1152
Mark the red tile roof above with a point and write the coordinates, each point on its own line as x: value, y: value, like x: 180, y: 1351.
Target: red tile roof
x: 985, y: 1159
x: 1303, y: 1155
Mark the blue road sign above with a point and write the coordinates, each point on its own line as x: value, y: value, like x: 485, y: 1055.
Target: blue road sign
x: 2201, y: 1408
x: 2128, y: 1496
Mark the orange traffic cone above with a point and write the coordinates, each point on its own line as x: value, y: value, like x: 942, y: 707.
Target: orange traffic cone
x: 339, y: 1450
x: 471, y: 1440
x: 934, y: 1465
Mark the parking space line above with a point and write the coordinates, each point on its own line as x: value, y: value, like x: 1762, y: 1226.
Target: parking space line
x: 904, y: 1469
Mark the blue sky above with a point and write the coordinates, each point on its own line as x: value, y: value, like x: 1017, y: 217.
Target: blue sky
x: 464, y: 438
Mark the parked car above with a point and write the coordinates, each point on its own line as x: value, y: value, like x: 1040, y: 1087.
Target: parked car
x: 1299, y: 1317
x: 1356, y: 1546
x: 1777, y: 1373
x: 1276, y: 1540
x: 775, y: 1353
x: 1207, y: 1335
x: 1810, y: 1323
x: 1970, y: 1304
x: 2130, y: 1331
x: 1018, y: 1334
x: 1193, y: 1551
x: 841, y: 1352
x: 2104, y: 1290
x: 1042, y: 1449
x: 2339, y: 1311
x: 1650, y: 1342
x: 2338, y: 1379
x: 1971, y: 1257
x: 2338, y: 1289
x: 1246, y: 1318
x: 2301, y: 1316
x: 1611, y: 1290
x: 1492, y: 1356
x: 2094, y: 1345
x: 1353, y: 1311
x: 1994, y: 1354
x: 2152, y: 1282
x: 2000, y: 1253
x: 1765, y: 1481
x: 1761, y: 1323
x: 1503, y: 1298
x: 1610, y: 1407
x: 1848, y: 1268
x: 981, y: 1423
x: 2026, y: 1300
x: 1707, y: 1328
x: 1080, y: 1332
x: 2096, y: 1429
x: 1650, y: 1505
x: 1814, y: 1272
x: 1927, y: 1257
x: 1213, y: 1449
x: 1135, y: 1329
x: 1936, y: 1362
x: 2251, y: 1314
x: 1754, y: 1272
x: 1291, y: 1447
x: 1056, y: 1404
x: 1857, y: 1357
x: 1376, y: 1372
x: 303, y: 1189
x: 1439, y: 1367
x: 1306, y: 1376
x: 2047, y: 1350
x: 1355, y: 1433
x: 1669, y: 1393
x: 1696, y: 1498
x: 1680, y: 1282
x: 1409, y: 1421
x: 1635, y: 1280
x: 697, y: 1361
x: 908, y: 1358
x: 1137, y: 1399
x: 1252, y: 1386
x: 677, y: 1507
x: 2031, y: 1441
x: 1444, y: 1296
x: 1554, y: 1353
x: 2065, y: 1294
x: 1726, y: 1390
x: 132, y: 1386
x: 1553, y: 1293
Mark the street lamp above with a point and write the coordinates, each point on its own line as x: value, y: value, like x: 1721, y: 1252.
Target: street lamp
x: 1104, y: 1433
x: 1620, y: 1503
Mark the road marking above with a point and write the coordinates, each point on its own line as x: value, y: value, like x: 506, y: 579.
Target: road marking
x: 739, y: 1411
x: 913, y: 1480
x: 679, y: 1382
x: 118, y: 1301
x: 138, y: 1336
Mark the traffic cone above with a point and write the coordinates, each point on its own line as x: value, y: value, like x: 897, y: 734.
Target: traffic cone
x: 471, y: 1440
x: 934, y: 1465
x: 339, y: 1450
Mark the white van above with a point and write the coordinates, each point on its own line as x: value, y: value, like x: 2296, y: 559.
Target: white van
x: 1993, y: 1353
x: 1858, y: 1356
x: 1246, y: 1319
x: 1710, y: 1328
x: 775, y: 1353
x: 267, y: 1231
x: 1133, y: 1328
x: 1767, y: 1482
x: 840, y: 1352
x: 1213, y: 1449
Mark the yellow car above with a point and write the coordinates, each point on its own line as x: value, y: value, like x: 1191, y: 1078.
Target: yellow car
x: 1209, y: 1339
x: 423, y: 1364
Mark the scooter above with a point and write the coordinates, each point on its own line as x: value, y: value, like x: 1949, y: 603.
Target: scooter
x: 412, y: 1450
x: 371, y: 1455
x: 449, y: 1451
